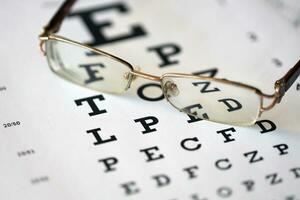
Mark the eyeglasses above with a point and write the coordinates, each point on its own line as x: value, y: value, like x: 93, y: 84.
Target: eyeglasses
x: 223, y: 101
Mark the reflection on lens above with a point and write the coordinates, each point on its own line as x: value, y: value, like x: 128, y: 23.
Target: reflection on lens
x: 212, y: 100
x: 86, y: 68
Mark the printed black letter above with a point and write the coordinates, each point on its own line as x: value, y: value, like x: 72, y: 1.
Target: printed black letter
x: 253, y: 157
x: 98, y: 138
x: 264, y: 129
x: 150, y: 155
x: 224, y: 167
x: 165, y: 52
x: 227, y: 136
x: 92, y: 73
x: 282, y: 148
x: 130, y: 188
x: 147, y: 122
x: 191, y: 171
x: 273, y: 178
x: 162, y: 180
x: 236, y: 106
x: 108, y: 163
x: 92, y: 104
x: 184, y: 146
x: 97, y: 29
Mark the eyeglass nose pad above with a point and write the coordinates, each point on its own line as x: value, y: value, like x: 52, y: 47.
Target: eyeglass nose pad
x: 129, y: 77
x: 171, y: 88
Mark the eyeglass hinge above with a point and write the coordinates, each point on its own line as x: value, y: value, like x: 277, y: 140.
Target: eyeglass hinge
x: 279, y: 89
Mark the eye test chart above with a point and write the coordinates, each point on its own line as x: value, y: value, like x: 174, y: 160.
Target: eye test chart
x: 59, y: 140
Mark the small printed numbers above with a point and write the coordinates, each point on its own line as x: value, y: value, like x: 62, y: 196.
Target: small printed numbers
x: 2, y: 88
x: 39, y: 180
x: 11, y: 124
x: 25, y: 153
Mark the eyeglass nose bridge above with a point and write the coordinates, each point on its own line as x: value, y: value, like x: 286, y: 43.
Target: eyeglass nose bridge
x: 134, y: 74
x: 137, y: 73
x: 169, y: 87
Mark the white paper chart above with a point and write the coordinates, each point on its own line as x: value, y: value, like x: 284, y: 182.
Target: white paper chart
x: 62, y: 141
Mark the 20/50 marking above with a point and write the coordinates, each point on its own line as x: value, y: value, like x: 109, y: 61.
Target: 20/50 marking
x: 11, y: 124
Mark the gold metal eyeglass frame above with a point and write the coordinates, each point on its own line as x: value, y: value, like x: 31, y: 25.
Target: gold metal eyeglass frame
x: 281, y: 85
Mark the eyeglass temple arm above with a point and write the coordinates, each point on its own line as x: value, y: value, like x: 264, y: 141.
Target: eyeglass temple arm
x: 282, y: 85
x: 54, y: 24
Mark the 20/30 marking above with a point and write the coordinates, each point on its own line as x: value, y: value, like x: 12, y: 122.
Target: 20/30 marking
x: 11, y: 124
